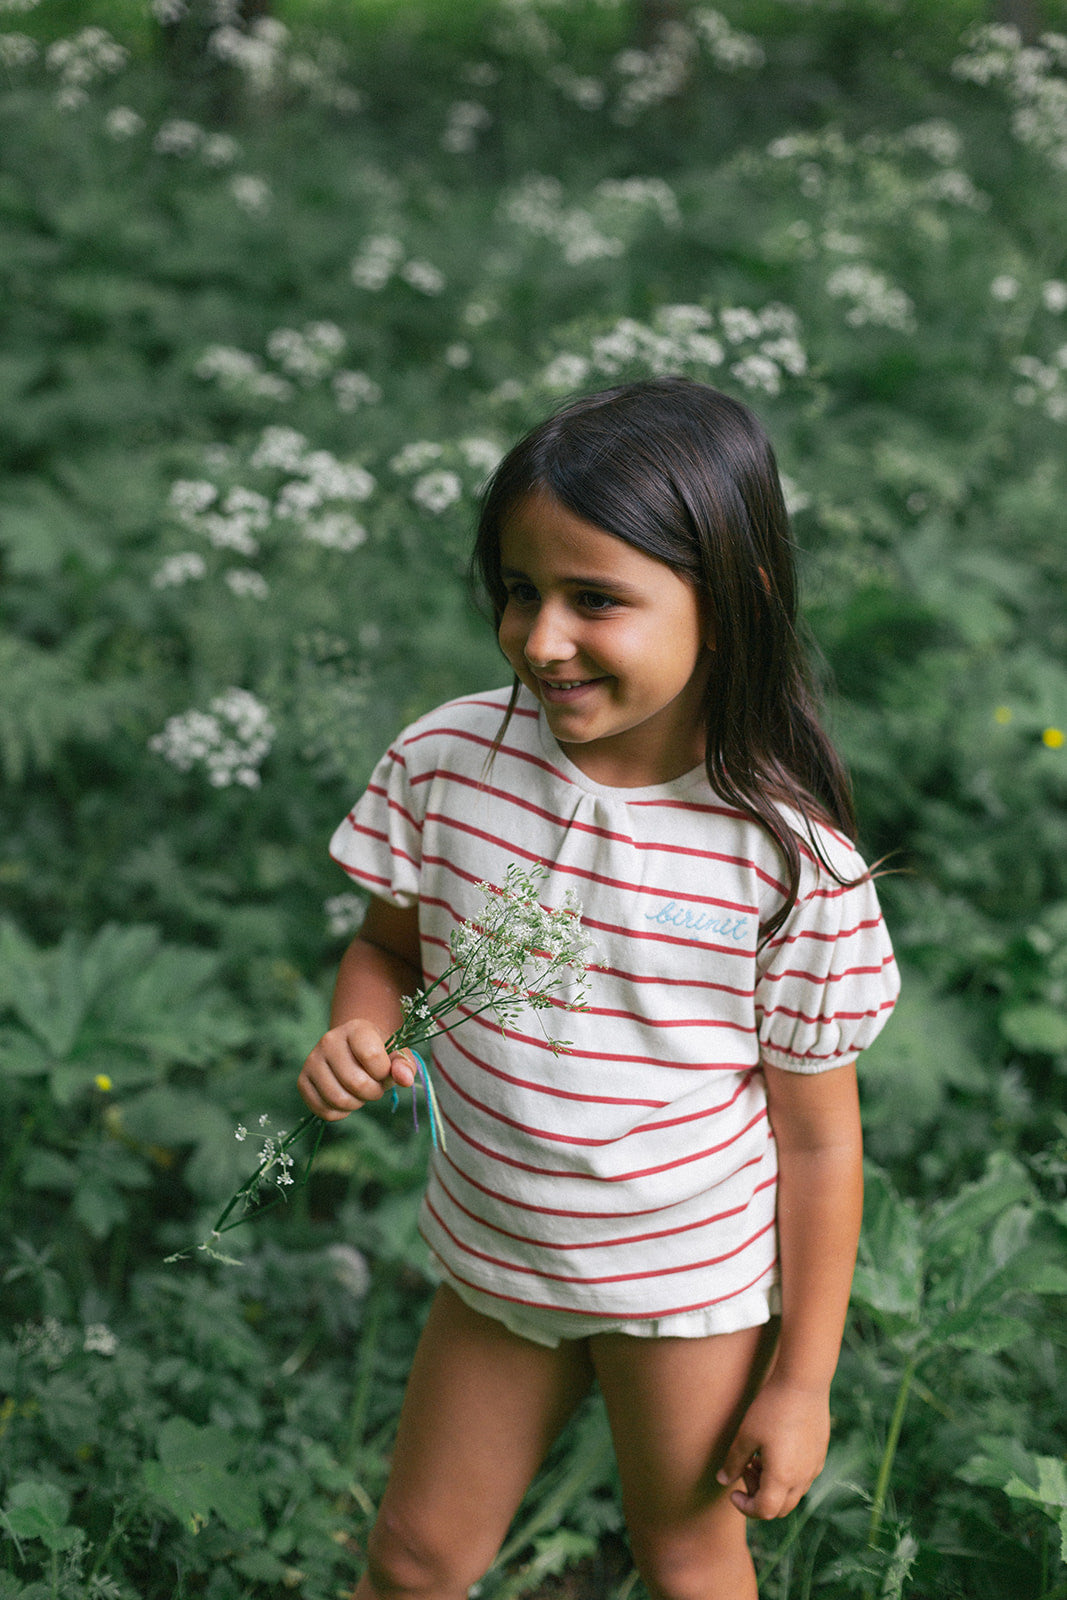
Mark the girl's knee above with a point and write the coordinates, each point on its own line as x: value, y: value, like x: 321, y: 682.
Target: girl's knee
x: 681, y: 1565
x: 406, y: 1562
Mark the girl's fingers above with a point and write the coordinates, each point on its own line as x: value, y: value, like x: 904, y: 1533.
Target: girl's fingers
x: 403, y: 1069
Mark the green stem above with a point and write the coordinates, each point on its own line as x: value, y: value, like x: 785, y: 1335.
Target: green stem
x: 881, y: 1488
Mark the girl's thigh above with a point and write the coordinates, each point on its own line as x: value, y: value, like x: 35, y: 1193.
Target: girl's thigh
x: 481, y: 1409
x: 674, y: 1407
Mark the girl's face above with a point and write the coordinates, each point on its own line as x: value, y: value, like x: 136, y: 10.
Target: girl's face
x: 613, y: 643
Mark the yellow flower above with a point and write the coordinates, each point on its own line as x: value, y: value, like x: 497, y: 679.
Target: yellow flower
x: 103, y: 1082
x: 1003, y: 715
x: 1053, y: 738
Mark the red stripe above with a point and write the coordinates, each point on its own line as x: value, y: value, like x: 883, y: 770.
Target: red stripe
x: 616, y: 1277
x: 608, y: 1244
x: 604, y: 1056
x: 829, y: 1017
x: 620, y: 1177
x: 644, y: 1315
x: 591, y: 877
x: 822, y: 978
x: 508, y: 1198
x: 548, y: 1089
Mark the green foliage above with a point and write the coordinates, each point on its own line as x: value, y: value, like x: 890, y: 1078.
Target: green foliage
x: 271, y: 309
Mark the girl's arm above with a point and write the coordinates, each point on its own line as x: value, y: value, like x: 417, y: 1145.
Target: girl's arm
x: 350, y: 1065
x: 816, y: 1124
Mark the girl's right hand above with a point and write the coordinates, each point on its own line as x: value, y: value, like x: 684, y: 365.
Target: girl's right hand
x: 348, y: 1067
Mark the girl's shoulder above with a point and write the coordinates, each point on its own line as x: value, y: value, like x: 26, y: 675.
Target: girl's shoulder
x: 468, y: 713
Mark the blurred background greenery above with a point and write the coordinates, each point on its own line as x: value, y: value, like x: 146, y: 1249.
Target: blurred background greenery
x: 277, y: 285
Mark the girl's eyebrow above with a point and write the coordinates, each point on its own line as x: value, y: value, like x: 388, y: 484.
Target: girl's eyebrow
x: 612, y: 584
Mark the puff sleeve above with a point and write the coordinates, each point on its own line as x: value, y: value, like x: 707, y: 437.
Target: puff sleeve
x: 828, y: 979
x: 379, y: 844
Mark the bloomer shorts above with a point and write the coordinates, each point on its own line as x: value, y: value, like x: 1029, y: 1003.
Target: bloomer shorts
x: 547, y: 1326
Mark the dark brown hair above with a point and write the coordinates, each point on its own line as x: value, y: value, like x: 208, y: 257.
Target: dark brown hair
x: 687, y: 474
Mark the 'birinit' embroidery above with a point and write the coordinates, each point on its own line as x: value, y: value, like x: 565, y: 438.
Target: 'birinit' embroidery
x: 672, y: 915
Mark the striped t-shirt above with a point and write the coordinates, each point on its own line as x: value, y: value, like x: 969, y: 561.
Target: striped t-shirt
x: 633, y: 1176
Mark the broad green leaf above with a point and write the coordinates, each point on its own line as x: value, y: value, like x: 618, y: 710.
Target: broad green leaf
x: 37, y: 1510
x: 193, y: 1476
x: 889, y: 1273
x: 1036, y: 1029
x: 959, y: 1222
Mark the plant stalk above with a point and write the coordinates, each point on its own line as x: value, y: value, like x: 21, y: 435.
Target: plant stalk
x: 885, y: 1469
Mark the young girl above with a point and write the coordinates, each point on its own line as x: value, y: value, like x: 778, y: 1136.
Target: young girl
x: 670, y: 1207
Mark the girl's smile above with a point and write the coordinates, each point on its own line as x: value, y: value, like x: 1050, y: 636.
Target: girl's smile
x: 612, y: 642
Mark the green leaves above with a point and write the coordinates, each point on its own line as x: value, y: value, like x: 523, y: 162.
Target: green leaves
x: 194, y: 1477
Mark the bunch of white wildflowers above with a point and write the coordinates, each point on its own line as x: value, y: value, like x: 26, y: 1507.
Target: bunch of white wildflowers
x: 518, y: 955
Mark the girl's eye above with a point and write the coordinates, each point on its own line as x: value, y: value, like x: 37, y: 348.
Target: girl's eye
x: 594, y: 600
x: 522, y: 594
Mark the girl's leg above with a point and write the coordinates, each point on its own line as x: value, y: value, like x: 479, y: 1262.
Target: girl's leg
x: 481, y: 1409
x: 674, y: 1405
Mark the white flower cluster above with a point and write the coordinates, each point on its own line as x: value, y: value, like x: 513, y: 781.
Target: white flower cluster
x: 872, y: 299
x: 730, y: 50
x: 1044, y: 383
x: 652, y: 76
x: 263, y: 53
x: 82, y: 60
x: 537, y: 205
x: 17, y: 50
x: 303, y: 357
x: 466, y: 120
x: 519, y: 955
x: 436, y: 491
x: 307, y: 354
x: 1033, y: 76
x: 761, y: 349
x: 344, y: 914
x: 99, y: 1340
x: 273, y: 1157
x: 184, y: 567
x: 384, y: 257
x: 230, y: 741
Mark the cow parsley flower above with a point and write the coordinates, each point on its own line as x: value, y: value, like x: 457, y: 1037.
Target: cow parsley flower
x: 436, y: 491
x: 516, y: 955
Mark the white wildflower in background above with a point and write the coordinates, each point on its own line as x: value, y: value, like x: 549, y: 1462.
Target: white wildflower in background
x: 122, y: 122
x: 936, y: 138
x: 309, y: 353
x: 191, y: 497
x: 466, y: 119
x: 957, y: 189
x: 17, y: 50
x: 337, y: 530
x: 246, y: 583
x: 377, y: 261
x: 279, y: 447
x: 99, y: 1340
x: 241, y: 372
x: 1045, y: 383
x: 796, y: 498
x: 458, y: 356
x: 874, y: 301
x: 416, y: 457
x: 179, y: 137
x: 756, y: 371
x: 424, y: 276
x: 219, y: 150
x: 588, y: 94
x: 650, y: 193
x: 344, y: 914
x: 1032, y: 77
x: 354, y: 389
x: 730, y: 50
x: 168, y: 12
x: 253, y: 194
x: 85, y: 58
x: 738, y: 323
x: 230, y: 740
x: 185, y: 567
x: 18, y: 6
x: 436, y: 491
x: 483, y: 455
x: 565, y: 372
x: 1005, y: 288
x: 1054, y: 295
x: 652, y: 76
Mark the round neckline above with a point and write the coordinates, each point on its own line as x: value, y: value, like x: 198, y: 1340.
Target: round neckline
x: 551, y: 747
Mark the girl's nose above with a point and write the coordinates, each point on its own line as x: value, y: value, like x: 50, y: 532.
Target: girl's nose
x: 549, y: 639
